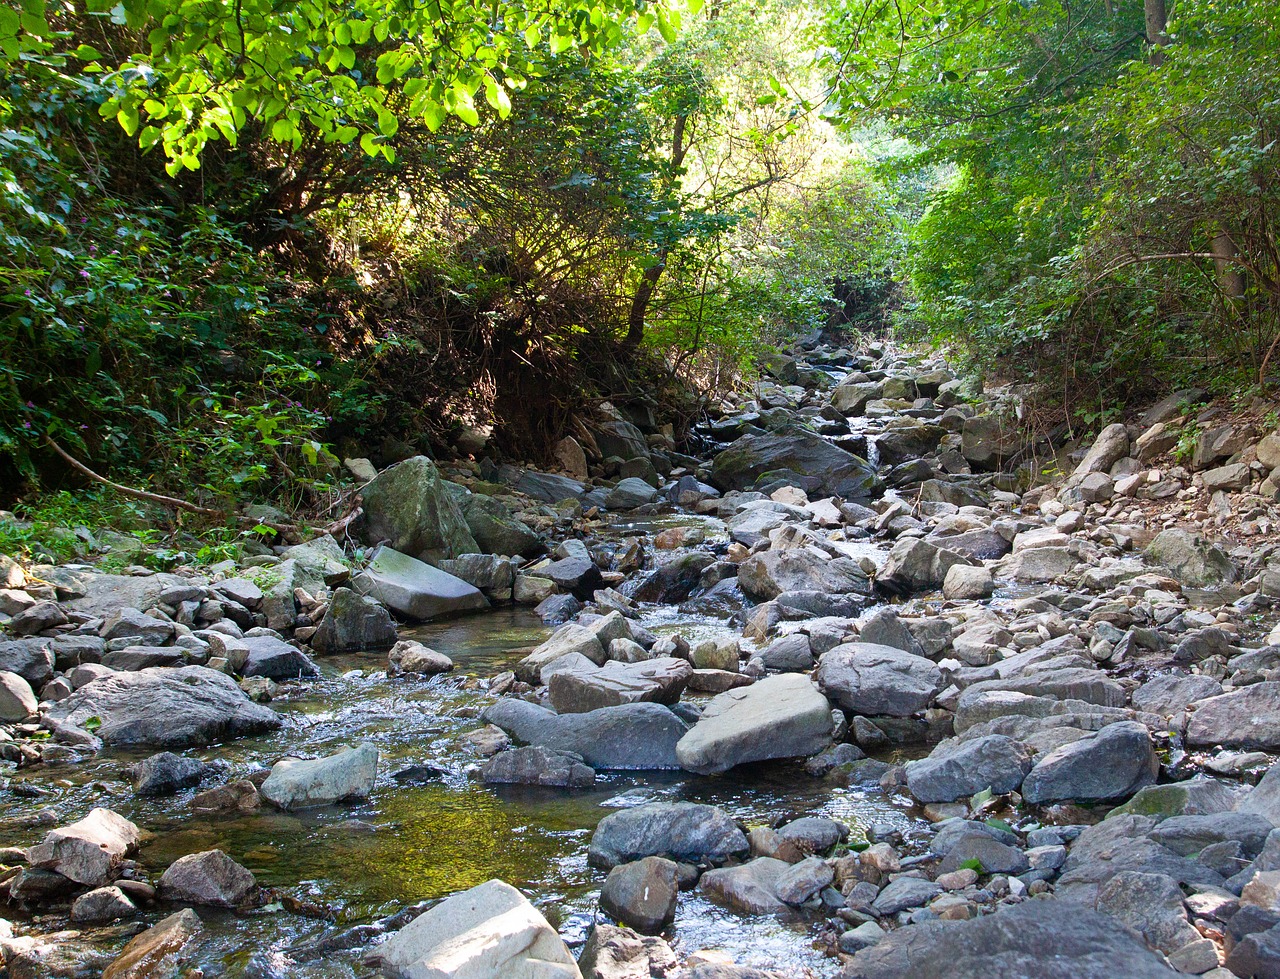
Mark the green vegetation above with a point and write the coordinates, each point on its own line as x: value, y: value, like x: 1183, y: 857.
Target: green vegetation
x: 240, y: 241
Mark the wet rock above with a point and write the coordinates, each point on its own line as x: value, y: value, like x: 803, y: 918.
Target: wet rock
x: 803, y: 880
x: 90, y: 851
x: 408, y: 656
x: 163, y: 942
x: 211, y: 878
x: 275, y: 659
x: 495, y: 527
x: 298, y: 784
x: 749, y: 888
x: 409, y: 507
x: 238, y: 796
x: 916, y: 565
x: 767, y: 575
x: 490, y: 930
x: 166, y: 773
x: 789, y: 654
x: 354, y: 623
x: 1113, y: 763
x: 630, y: 736
x: 685, y: 832
x: 1035, y: 938
x: 17, y: 699
x: 781, y: 716
x: 958, y: 770
x: 165, y: 708
x: 414, y: 589
x: 101, y: 905
x: 642, y: 894
x: 535, y: 765
x: 1191, y: 558
x: 619, y: 953
x: 576, y: 574
x: 822, y: 466
x: 1248, y: 717
x: 59, y: 955
x: 630, y: 493
x: 32, y: 887
x: 868, y: 679
x: 659, y: 681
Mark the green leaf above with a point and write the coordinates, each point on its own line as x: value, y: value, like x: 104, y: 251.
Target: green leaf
x: 369, y: 143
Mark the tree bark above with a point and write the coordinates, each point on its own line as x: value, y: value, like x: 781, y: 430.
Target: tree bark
x: 1157, y: 17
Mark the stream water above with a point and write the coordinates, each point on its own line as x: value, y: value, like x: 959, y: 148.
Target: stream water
x: 437, y: 830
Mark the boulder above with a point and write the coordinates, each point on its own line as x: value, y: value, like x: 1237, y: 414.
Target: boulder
x: 829, y: 470
x: 129, y: 623
x: 629, y: 736
x: 298, y: 784
x: 619, y: 953
x: 987, y: 440
x: 17, y: 700
x: 1111, y: 764
x: 802, y: 881
x: 164, y: 708
x: 166, y: 773
x: 577, y: 574
x: 494, y: 526
x: 486, y: 932
x: 686, y: 832
x: 642, y: 894
x: 409, y: 508
x: 354, y: 623
x: 408, y: 656
x: 31, y: 659
x: 659, y: 681
x: 211, y: 878
x: 101, y: 905
x: 1111, y: 445
x: 917, y: 565
x: 414, y: 589
x: 865, y: 678
x: 275, y: 659
x: 1247, y: 717
x: 162, y: 942
x: 570, y: 638
x: 782, y: 716
x: 536, y: 765
x: 630, y: 493
x: 957, y: 770
x: 1035, y: 938
x: 749, y: 888
x: 767, y: 575
x: 1191, y: 559
x: 548, y: 487
x: 964, y: 583
x: 91, y: 851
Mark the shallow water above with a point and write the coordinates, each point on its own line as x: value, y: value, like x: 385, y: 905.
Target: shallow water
x: 410, y: 843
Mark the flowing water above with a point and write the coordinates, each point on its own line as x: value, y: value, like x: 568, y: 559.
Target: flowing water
x: 437, y: 829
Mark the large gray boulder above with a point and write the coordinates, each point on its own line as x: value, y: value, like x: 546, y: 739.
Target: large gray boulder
x: 414, y: 589
x: 916, y: 565
x: 409, y: 508
x: 211, y: 878
x: 536, y: 765
x: 826, y: 468
x: 686, y: 832
x: 354, y: 623
x: 868, y: 679
x: 90, y: 851
x: 165, y: 708
x: 630, y: 736
x: 782, y: 716
x: 642, y: 894
x: 17, y: 700
x: 276, y: 659
x: 657, y: 681
x: 957, y: 770
x: 569, y: 639
x: 1248, y: 717
x: 767, y: 575
x: 488, y: 931
x: 1114, y: 763
x: 987, y: 440
x: 750, y: 888
x: 295, y: 783
x: 1035, y: 938
x: 31, y: 659
x: 493, y: 525
x: 1191, y: 559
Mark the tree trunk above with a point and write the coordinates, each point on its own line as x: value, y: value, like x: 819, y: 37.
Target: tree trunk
x: 640, y: 302
x: 1157, y: 18
x: 1230, y: 278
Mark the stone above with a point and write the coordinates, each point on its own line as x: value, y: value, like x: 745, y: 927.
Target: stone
x: 1188, y: 835
x: 101, y: 905
x: 987, y: 440
x: 642, y: 894
x: 166, y: 773
x: 767, y: 575
x: 828, y: 470
x: 1113, y: 763
x: 91, y: 851
x: 1034, y: 938
x: 164, y: 708
x: 409, y: 508
x: 31, y: 659
x: 1150, y: 904
x: 789, y: 654
x: 630, y: 736
x: 238, y: 796
x: 163, y: 942
x: 1248, y: 717
x: 1193, y: 797
x: 802, y: 881
x: 548, y: 487
x: 748, y: 888
x: 494, y: 526
x: 577, y: 574
x: 685, y: 832
x: 36, y: 618
x: 572, y: 458
x: 659, y: 681
x: 1230, y: 478
x: 354, y: 623
x: 409, y: 656
x: 905, y: 892
x: 211, y: 878
x: 619, y: 953
x: 964, y: 583
x: 1191, y: 559
x: 569, y: 639
x: 958, y: 770
x: 630, y: 493
x: 1096, y: 488
x: 868, y: 679
x: 917, y: 565
x: 783, y: 716
x: 298, y: 784
x: 535, y: 765
x: 990, y: 854
x: 129, y: 623
x: 488, y: 931
x: 1173, y: 693
x: 414, y: 589
x: 17, y: 699
x: 275, y: 659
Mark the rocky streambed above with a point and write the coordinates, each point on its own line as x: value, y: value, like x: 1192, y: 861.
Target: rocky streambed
x: 849, y: 690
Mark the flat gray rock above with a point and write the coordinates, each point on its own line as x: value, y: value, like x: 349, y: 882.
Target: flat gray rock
x: 414, y: 589
x: 686, y: 832
x: 868, y: 679
x: 630, y: 736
